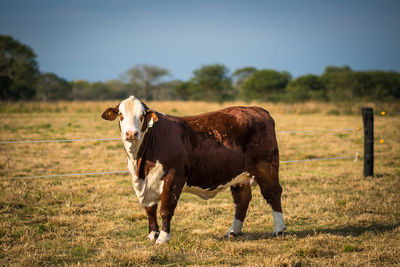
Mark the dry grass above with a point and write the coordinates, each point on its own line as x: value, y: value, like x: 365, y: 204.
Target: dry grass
x: 334, y: 215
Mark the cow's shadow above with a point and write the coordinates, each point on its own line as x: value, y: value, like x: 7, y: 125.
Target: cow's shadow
x: 345, y: 231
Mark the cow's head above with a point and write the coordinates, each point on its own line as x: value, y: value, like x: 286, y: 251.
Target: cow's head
x: 134, y: 118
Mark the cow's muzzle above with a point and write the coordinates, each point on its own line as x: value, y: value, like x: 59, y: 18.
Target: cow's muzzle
x: 131, y: 136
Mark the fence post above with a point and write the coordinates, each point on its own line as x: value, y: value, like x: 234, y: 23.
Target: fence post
x: 368, y: 121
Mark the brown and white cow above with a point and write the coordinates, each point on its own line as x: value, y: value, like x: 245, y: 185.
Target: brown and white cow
x: 204, y: 154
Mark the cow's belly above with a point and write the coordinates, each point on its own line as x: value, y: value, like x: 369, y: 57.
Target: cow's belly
x: 210, y: 193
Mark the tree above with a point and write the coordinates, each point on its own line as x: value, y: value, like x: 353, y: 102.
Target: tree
x: 344, y: 68
x: 18, y: 69
x: 211, y: 83
x: 101, y: 91
x: 80, y: 90
x: 344, y: 85
x: 242, y: 74
x: 50, y: 87
x: 144, y: 78
x: 383, y: 85
x: 182, y: 90
x: 166, y: 90
x: 308, y: 87
x: 119, y: 89
x: 341, y: 83
x: 85, y: 90
x: 265, y: 85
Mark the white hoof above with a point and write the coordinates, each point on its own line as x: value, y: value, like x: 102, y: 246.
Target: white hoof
x: 275, y: 234
x: 231, y: 233
x: 164, y: 237
x: 236, y: 228
x: 152, y: 236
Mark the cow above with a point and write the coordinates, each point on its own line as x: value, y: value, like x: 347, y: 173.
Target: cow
x: 234, y: 147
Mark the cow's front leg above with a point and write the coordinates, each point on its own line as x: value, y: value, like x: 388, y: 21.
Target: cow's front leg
x: 153, y: 225
x: 169, y: 199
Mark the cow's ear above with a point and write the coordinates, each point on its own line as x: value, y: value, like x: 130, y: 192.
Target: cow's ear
x: 110, y: 114
x: 149, y: 119
x: 153, y: 115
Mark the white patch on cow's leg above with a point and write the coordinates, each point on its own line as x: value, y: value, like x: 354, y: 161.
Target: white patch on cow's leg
x: 153, y: 236
x: 279, y: 224
x: 164, y: 237
x: 235, y: 229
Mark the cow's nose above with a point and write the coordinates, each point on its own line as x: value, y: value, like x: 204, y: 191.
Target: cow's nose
x: 131, y: 135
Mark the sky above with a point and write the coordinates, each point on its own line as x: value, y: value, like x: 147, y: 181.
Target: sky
x: 98, y: 40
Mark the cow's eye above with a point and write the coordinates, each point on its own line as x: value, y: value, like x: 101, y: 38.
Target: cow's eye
x: 121, y: 117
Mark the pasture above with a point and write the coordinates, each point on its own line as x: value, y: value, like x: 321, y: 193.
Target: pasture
x: 334, y: 216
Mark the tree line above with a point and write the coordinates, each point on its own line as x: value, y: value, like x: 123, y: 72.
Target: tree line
x: 21, y: 79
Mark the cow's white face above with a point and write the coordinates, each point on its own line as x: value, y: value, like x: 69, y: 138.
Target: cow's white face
x: 132, y: 115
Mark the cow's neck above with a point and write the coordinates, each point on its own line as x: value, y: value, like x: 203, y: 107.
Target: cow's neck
x: 138, y: 151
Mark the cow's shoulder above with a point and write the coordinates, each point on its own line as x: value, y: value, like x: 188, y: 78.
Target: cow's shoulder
x: 168, y: 140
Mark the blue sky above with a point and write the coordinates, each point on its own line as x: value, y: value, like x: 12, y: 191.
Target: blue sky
x: 97, y: 40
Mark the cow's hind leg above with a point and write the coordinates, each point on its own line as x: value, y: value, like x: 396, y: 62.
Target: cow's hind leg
x: 241, y: 196
x: 153, y: 225
x: 266, y: 175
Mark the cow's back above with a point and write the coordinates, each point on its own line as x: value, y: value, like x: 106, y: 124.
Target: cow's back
x: 235, y: 126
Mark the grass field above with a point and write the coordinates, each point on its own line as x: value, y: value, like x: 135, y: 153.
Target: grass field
x: 334, y: 215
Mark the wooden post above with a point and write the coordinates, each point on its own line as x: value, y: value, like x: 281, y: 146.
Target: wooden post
x: 368, y: 121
